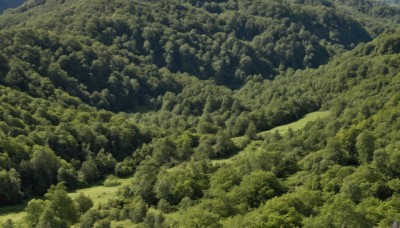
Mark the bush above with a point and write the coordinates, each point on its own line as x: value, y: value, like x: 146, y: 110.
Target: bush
x: 111, y: 181
x: 84, y: 203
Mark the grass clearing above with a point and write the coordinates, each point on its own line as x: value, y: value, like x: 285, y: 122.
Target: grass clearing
x: 255, y: 144
x: 240, y: 141
x: 99, y: 193
x: 297, y: 125
x: 13, y: 212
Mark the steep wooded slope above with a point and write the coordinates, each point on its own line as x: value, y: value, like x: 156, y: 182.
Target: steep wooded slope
x: 109, y: 53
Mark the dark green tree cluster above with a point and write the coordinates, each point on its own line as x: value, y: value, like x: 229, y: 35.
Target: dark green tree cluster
x: 58, y: 209
x: 44, y: 142
x: 113, y: 62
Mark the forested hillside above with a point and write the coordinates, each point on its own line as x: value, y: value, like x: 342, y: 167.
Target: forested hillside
x: 181, y: 97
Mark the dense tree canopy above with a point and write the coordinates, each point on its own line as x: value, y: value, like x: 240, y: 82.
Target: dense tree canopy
x: 183, y: 98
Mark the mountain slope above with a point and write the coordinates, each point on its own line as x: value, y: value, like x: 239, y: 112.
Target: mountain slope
x: 228, y: 44
x: 158, y: 90
x: 343, y: 164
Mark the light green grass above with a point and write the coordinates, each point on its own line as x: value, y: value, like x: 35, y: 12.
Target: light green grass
x: 252, y: 147
x: 123, y: 224
x: 255, y: 144
x: 297, y: 125
x: 238, y: 141
x: 98, y: 193
x: 13, y: 212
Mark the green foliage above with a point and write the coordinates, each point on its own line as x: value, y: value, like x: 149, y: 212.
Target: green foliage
x: 365, y: 146
x: 49, y: 219
x: 188, y: 181
x: 256, y: 188
x: 34, y: 209
x: 154, y: 219
x: 232, y: 113
x: 84, y: 203
x: 138, y: 210
x: 8, y: 224
x: 10, y: 187
x: 337, y: 213
x: 89, y: 219
x: 111, y: 181
x: 45, y: 165
x: 143, y: 181
x: 89, y: 171
x: 61, y: 204
x: 287, y: 211
x: 196, y: 217
x: 58, y: 210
